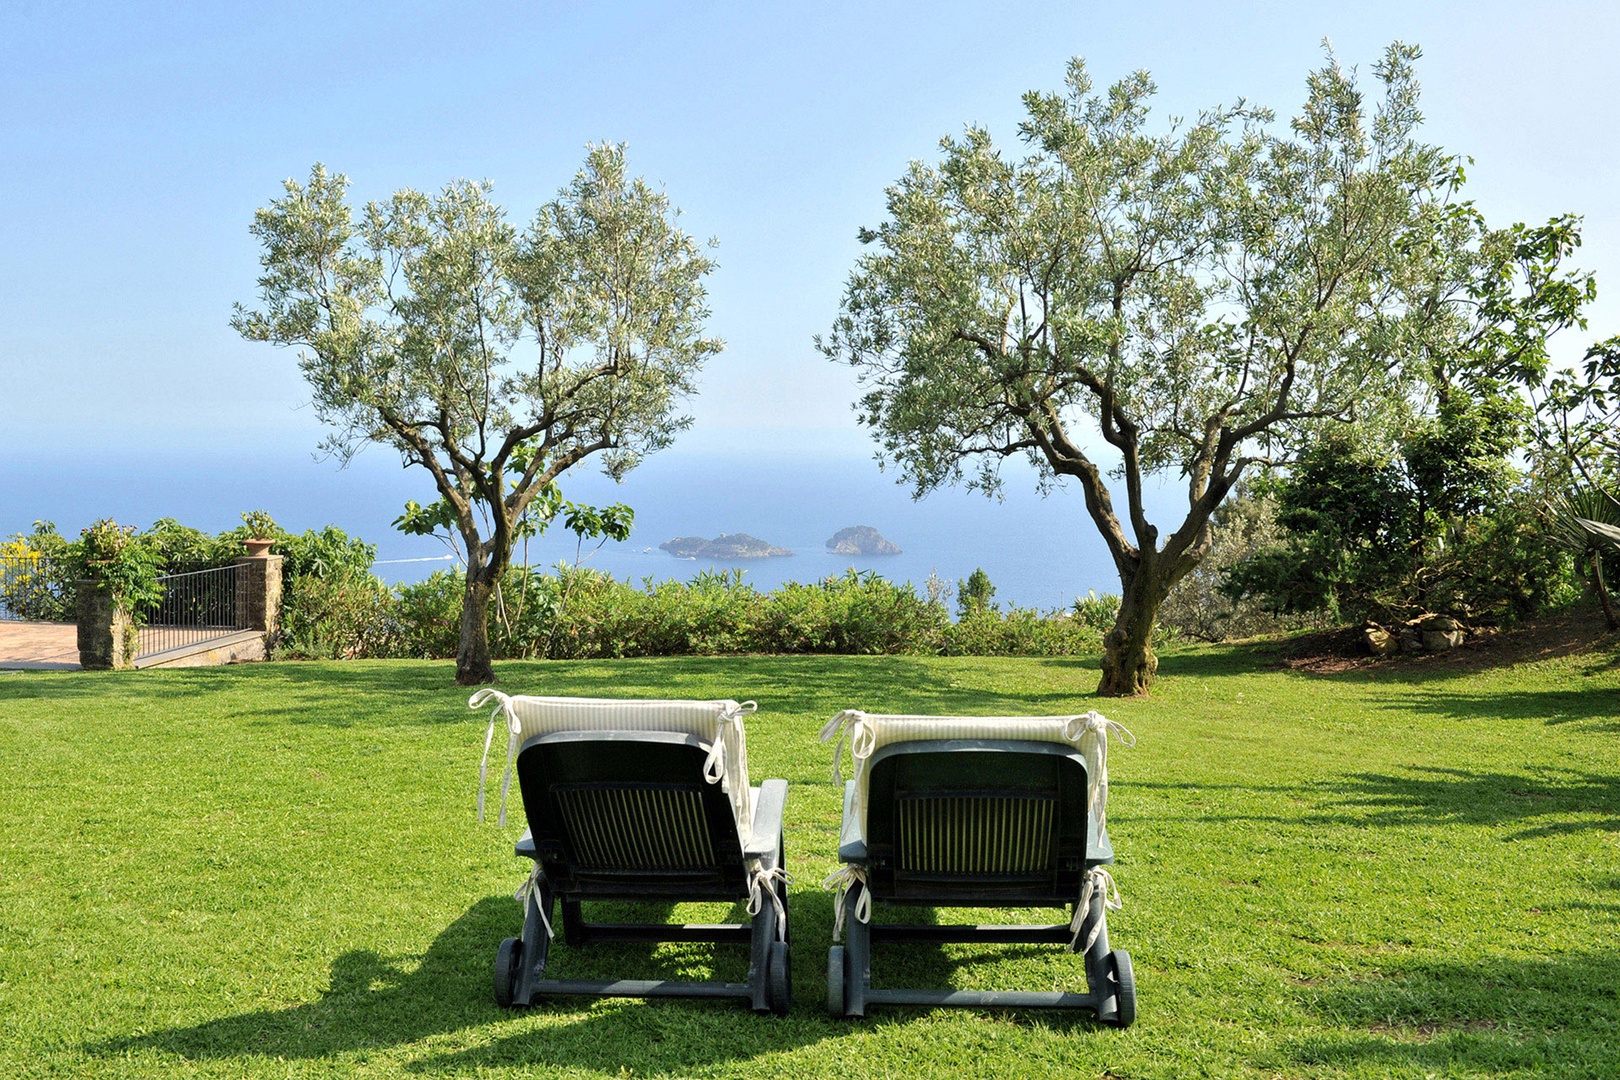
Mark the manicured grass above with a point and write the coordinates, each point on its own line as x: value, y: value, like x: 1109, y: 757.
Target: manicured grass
x: 273, y: 870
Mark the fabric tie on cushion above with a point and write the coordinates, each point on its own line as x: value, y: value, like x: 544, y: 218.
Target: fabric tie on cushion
x: 728, y: 756
x: 531, y: 884
x: 762, y: 883
x: 1096, y: 879
x: 843, y: 879
x: 849, y: 728
x: 1090, y: 734
x: 503, y: 704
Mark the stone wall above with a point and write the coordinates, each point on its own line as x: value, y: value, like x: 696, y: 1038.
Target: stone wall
x: 258, y: 593
x: 106, y: 637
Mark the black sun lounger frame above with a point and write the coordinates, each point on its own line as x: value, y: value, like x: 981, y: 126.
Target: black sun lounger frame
x: 628, y: 816
x: 977, y: 823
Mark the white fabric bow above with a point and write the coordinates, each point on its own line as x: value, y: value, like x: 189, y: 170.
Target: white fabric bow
x: 1096, y: 878
x: 849, y: 727
x: 1090, y: 734
x: 761, y: 883
x: 503, y: 704
x: 532, y: 884
x: 843, y: 879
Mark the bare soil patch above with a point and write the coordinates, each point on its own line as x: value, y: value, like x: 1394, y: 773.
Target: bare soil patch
x: 1331, y: 652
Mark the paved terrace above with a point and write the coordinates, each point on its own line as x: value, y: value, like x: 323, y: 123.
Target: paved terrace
x: 39, y: 646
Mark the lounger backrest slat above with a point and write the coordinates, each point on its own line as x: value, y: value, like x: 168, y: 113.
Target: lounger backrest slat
x: 964, y: 819
x: 629, y: 814
x: 629, y: 828
x: 991, y: 835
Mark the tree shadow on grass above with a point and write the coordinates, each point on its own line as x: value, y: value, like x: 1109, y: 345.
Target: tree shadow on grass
x: 1539, y: 801
x: 1428, y: 795
x: 1530, y: 1016
x: 1598, y: 706
x: 412, y: 692
x: 976, y: 965
x: 669, y: 1038
x: 1219, y: 661
x: 402, y: 693
x: 373, y: 1004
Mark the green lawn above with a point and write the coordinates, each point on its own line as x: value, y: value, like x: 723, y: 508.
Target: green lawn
x: 274, y: 870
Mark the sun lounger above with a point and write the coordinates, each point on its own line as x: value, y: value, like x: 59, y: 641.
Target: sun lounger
x: 976, y: 812
x: 635, y: 800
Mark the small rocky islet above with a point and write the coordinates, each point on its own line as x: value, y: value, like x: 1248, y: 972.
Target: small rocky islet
x: 861, y: 540
x: 854, y: 540
x: 724, y: 546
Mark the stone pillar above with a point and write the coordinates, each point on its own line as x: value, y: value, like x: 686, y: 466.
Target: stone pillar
x: 107, y: 639
x: 258, y: 593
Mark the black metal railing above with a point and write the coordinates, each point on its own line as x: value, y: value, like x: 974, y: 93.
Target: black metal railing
x: 197, y: 606
x: 30, y: 591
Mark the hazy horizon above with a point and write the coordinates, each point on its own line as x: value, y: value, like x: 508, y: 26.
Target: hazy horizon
x: 136, y: 144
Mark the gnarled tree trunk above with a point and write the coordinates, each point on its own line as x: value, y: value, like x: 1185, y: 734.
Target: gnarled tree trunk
x: 473, y: 665
x: 1128, y: 662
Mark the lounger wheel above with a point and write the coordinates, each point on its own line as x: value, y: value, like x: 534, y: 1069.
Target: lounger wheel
x: 1124, y: 981
x: 507, y: 957
x: 835, y: 981
x: 779, y: 972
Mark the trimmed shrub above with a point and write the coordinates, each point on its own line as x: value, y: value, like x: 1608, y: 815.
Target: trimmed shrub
x: 344, y: 614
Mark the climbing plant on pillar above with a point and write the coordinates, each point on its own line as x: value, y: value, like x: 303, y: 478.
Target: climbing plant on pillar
x: 113, y: 561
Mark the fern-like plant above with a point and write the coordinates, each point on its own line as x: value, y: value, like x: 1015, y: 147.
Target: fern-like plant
x: 1587, y: 522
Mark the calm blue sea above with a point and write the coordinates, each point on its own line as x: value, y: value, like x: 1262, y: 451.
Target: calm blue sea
x: 1038, y: 552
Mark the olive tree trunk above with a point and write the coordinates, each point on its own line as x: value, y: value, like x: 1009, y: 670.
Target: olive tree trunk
x: 473, y: 664
x: 1128, y: 662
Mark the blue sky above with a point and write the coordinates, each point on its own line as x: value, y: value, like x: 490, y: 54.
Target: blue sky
x: 136, y: 141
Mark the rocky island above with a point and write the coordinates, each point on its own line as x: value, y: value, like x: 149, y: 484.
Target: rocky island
x: 724, y: 546
x: 861, y: 540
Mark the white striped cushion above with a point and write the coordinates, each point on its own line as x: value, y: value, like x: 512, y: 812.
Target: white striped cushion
x: 544, y: 715
x: 716, y: 723
x: 868, y: 733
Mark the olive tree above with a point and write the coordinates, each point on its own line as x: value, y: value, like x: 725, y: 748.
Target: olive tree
x: 1118, y: 302
x: 493, y: 359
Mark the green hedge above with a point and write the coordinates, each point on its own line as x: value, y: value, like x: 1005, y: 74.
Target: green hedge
x: 578, y: 614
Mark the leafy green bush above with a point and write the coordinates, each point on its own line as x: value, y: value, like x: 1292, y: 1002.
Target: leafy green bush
x: 346, y: 613
x: 579, y: 613
x: 429, y: 616
x: 859, y: 612
x: 181, y: 548
x: 322, y: 553
x: 1202, y: 606
x: 37, y: 578
x: 1369, y: 532
x: 126, y: 564
x: 1097, y: 613
x: 1019, y: 632
x: 975, y: 594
